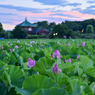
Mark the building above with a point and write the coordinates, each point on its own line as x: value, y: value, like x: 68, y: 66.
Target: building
x: 32, y: 28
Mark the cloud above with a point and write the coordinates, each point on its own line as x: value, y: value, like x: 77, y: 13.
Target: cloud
x: 20, y: 8
x: 51, y: 2
x: 93, y: 1
x: 79, y: 16
x: 7, y: 14
x: 8, y: 26
x: 84, y: 3
x: 74, y: 4
x: 25, y: 3
x: 13, y: 12
x: 88, y: 10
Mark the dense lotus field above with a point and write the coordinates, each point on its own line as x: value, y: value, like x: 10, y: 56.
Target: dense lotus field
x: 47, y: 67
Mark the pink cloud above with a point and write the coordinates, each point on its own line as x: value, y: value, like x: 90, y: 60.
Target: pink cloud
x: 19, y: 17
x: 44, y: 14
x: 79, y: 16
x: 76, y: 15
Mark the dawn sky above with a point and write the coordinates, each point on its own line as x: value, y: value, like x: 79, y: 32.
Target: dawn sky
x: 13, y: 12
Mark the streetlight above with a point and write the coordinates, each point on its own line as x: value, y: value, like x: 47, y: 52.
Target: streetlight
x: 56, y: 33
x: 82, y: 30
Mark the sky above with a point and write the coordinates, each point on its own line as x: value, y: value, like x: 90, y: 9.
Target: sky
x: 13, y: 12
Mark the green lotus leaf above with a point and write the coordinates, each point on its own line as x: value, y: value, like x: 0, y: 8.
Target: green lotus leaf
x: 60, y: 79
x: 86, y: 62
x: 47, y: 53
x: 12, y: 91
x: 92, y: 87
x: 88, y: 91
x: 25, y: 56
x: 16, y: 75
x: 77, y: 90
x: 22, y: 91
x: 79, y: 70
x: 43, y: 64
x: 51, y: 91
x: 1, y: 67
x: 90, y: 72
x: 74, y: 80
x: 35, y: 82
x: 19, y: 60
x: 12, y: 60
x: 2, y: 88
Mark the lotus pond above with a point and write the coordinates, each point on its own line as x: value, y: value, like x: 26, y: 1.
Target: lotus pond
x: 47, y: 67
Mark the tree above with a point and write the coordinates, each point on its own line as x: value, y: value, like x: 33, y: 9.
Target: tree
x: 19, y: 32
x: 69, y: 33
x: 2, y: 32
x: 89, y: 29
x: 43, y: 24
x: 51, y: 26
x: 94, y: 29
x: 60, y: 30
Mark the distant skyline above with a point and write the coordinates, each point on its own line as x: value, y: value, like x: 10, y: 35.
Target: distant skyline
x: 13, y: 12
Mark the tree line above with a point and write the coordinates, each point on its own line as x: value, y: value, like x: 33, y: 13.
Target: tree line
x: 65, y: 29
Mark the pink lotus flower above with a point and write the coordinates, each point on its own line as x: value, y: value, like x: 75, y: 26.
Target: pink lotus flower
x: 10, y: 44
x: 10, y: 50
x: 78, y: 57
x: 69, y: 60
x: 32, y: 42
x: 60, y: 70
x: 68, y: 44
x: 16, y: 47
x: 30, y: 63
x: 1, y: 47
x: 18, y: 41
x: 83, y: 44
x: 61, y: 43
x: 56, y: 54
x: 31, y: 45
x: 55, y: 69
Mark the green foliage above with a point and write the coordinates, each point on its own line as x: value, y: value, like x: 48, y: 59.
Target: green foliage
x: 36, y: 82
x: 51, y: 91
x: 43, y: 24
x: 1, y: 67
x: 43, y: 65
x: 38, y: 36
x: 19, y: 33
x: 2, y: 32
x: 8, y: 34
x: 13, y: 76
x: 89, y: 29
x: 61, y: 30
x: 74, y: 78
x: 92, y: 87
x: 2, y: 88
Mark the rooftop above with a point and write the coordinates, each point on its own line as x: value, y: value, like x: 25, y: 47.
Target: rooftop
x: 27, y: 23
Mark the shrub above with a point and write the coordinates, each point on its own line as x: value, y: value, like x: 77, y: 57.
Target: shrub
x: 89, y: 29
x: 38, y: 36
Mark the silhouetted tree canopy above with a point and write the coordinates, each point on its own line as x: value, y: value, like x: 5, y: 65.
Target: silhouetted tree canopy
x: 2, y: 32
x: 60, y: 29
x: 19, y: 32
x: 89, y: 29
